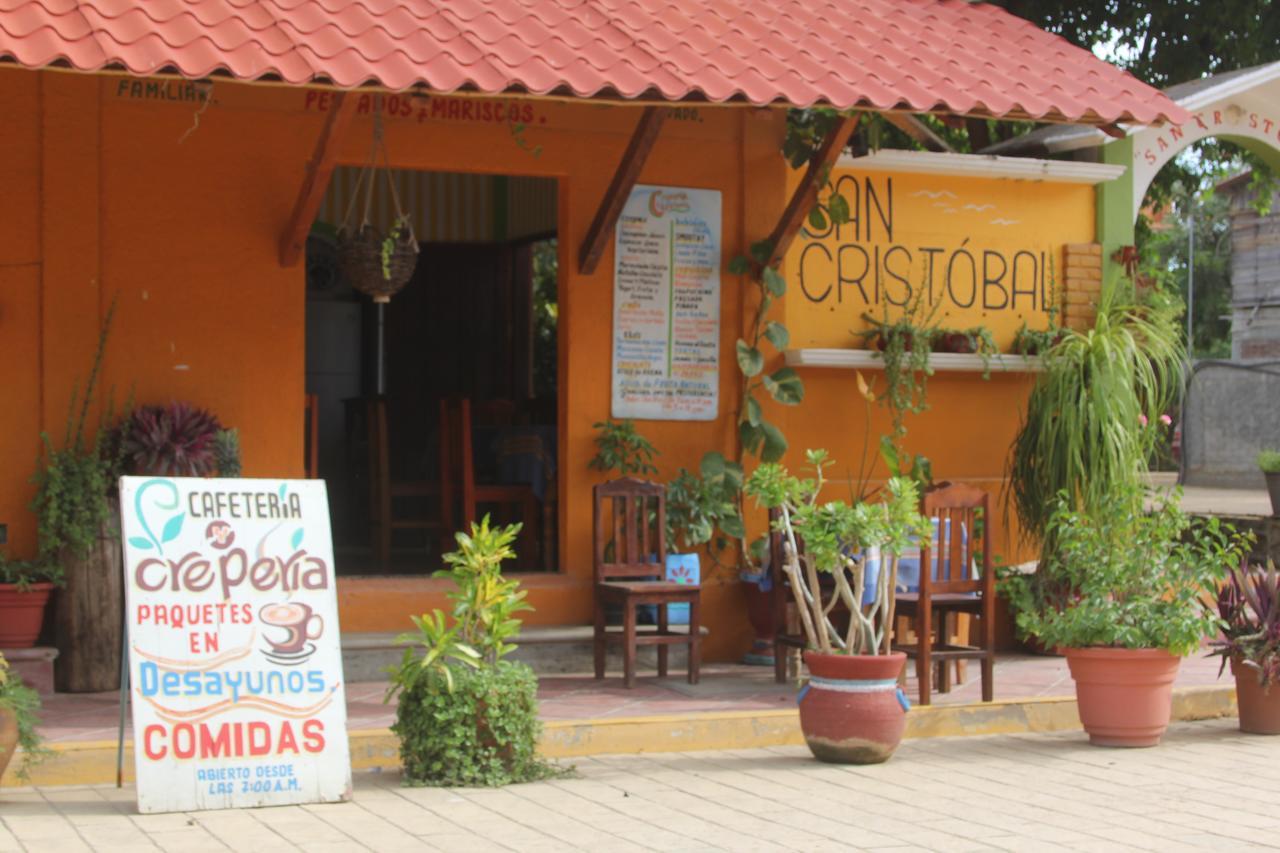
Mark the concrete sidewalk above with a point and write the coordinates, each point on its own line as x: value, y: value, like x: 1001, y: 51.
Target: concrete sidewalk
x: 1208, y: 786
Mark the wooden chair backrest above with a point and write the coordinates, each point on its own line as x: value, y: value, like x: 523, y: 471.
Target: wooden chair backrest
x: 447, y: 473
x: 457, y: 459
x: 963, y: 517
x: 311, y: 443
x: 632, y: 515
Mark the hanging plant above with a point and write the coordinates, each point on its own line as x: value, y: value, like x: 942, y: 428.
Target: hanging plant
x: 376, y: 264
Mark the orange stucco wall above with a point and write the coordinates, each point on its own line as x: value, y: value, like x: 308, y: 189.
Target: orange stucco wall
x: 117, y: 190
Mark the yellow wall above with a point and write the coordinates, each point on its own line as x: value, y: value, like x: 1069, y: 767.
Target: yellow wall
x: 120, y: 189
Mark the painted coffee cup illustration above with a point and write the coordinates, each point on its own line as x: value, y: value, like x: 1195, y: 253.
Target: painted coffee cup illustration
x: 296, y: 618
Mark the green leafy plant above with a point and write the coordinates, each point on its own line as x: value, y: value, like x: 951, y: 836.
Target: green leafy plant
x: 387, y: 248
x: 1029, y: 342
x: 1249, y: 606
x: 23, y: 573
x: 226, y: 453
x: 1084, y: 432
x: 838, y: 539
x: 465, y: 715
x: 905, y: 343
x: 699, y: 505
x: 621, y: 448
x: 1269, y: 461
x: 177, y: 440
x: 1126, y: 577
x: 23, y: 703
x: 73, y: 481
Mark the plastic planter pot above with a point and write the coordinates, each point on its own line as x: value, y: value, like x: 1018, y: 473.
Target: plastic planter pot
x: 22, y: 614
x: 684, y: 569
x: 851, y: 711
x: 1259, y: 706
x: 1125, y: 696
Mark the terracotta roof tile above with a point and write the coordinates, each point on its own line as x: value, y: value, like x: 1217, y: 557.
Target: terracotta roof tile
x: 920, y: 55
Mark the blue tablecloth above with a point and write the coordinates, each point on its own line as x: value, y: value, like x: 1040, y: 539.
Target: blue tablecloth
x: 517, y: 455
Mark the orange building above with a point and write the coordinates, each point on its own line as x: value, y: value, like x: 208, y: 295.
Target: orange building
x: 185, y: 198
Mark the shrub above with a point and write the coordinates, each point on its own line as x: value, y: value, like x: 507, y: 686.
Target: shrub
x: 465, y: 716
x: 1269, y: 461
x: 24, y: 703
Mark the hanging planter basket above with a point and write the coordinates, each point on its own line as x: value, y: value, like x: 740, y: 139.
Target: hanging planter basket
x: 376, y: 264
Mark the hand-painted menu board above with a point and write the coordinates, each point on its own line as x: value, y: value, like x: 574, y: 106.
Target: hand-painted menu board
x: 235, y: 666
x: 666, y: 305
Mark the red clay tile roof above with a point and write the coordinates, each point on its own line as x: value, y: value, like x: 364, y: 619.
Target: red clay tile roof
x: 918, y: 55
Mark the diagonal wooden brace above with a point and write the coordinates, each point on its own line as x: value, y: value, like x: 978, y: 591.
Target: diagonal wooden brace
x: 293, y: 240
x: 624, y: 179
x: 806, y: 193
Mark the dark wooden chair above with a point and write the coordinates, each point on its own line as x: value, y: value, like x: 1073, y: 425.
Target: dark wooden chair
x: 948, y: 587
x: 461, y: 452
x: 630, y: 563
x: 311, y: 439
x: 786, y: 636
x: 388, y: 495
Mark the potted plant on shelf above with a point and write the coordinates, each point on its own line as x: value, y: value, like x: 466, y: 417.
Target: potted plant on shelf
x: 19, y: 709
x: 1269, y: 462
x: 699, y: 506
x: 1121, y: 594
x: 851, y: 711
x: 466, y: 716
x: 1249, y: 606
x: 25, y: 586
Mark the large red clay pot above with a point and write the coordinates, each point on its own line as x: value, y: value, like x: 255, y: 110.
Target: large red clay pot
x: 850, y: 712
x: 1259, y: 706
x: 22, y: 614
x: 1125, y: 696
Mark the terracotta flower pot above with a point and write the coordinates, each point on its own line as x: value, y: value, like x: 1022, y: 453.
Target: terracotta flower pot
x: 1259, y: 706
x: 8, y: 738
x: 1125, y: 696
x: 850, y: 711
x: 22, y: 614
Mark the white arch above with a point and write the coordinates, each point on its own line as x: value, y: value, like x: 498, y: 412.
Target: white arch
x: 1246, y: 109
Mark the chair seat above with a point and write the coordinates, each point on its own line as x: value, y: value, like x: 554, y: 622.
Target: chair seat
x: 946, y: 601
x: 630, y: 589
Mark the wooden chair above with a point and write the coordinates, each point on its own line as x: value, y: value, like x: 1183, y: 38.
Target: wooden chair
x: 948, y: 588
x: 387, y: 493
x: 311, y: 440
x: 630, y: 516
x: 457, y: 414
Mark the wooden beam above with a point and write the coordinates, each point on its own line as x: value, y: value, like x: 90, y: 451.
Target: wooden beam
x: 293, y: 241
x: 806, y: 193
x: 646, y: 134
x: 919, y: 131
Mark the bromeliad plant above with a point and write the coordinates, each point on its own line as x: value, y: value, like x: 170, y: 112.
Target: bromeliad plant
x: 1125, y: 576
x: 466, y: 715
x: 1249, y: 606
x: 177, y: 440
x: 839, y: 540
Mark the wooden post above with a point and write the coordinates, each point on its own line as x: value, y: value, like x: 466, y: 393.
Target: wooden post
x: 642, y: 141
x: 293, y: 240
x: 806, y: 193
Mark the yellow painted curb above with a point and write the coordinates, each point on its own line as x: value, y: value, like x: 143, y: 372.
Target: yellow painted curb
x: 94, y: 762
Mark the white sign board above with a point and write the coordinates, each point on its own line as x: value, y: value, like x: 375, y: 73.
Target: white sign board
x: 666, y: 305
x: 235, y: 665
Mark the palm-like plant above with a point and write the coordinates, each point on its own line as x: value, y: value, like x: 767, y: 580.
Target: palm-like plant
x: 1085, y: 430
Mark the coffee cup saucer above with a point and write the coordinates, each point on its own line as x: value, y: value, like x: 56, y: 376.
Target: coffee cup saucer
x: 291, y: 658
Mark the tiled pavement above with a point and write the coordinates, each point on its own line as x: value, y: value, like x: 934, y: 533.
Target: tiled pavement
x: 1206, y: 787
x: 724, y: 687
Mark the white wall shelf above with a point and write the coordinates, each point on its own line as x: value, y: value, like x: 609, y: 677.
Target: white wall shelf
x: 941, y: 362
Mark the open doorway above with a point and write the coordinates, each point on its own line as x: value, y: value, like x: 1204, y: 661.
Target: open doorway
x: 441, y: 406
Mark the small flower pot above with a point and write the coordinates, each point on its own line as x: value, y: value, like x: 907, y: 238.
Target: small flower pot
x: 851, y: 711
x: 22, y: 614
x: 8, y: 737
x: 1259, y: 706
x: 682, y: 569
x: 954, y: 342
x: 1125, y: 696
x: 1273, y: 489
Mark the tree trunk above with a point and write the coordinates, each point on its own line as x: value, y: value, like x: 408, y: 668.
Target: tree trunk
x: 89, y: 618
